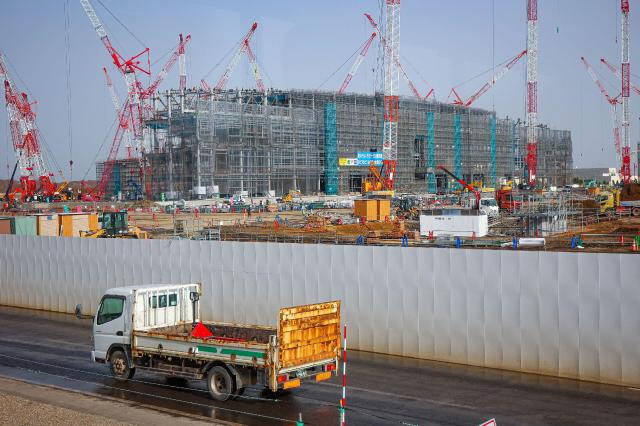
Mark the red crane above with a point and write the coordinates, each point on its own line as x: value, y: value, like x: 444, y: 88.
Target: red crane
x: 464, y: 184
x: 25, y: 138
x: 615, y: 71
x: 130, y: 115
x: 356, y: 63
x: 613, y: 102
x: 488, y: 85
x: 127, y: 67
x: 243, y: 47
x: 396, y: 60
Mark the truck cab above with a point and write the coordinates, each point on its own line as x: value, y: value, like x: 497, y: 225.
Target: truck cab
x: 489, y: 206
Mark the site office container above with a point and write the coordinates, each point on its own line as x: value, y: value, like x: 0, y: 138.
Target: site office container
x: 72, y: 223
x: 6, y: 225
x: 372, y: 209
x: 25, y: 225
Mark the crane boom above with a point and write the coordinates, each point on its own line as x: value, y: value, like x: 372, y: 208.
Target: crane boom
x: 25, y: 138
x: 123, y: 117
x: 165, y: 69
x: 613, y: 102
x: 254, y: 66
x: 489, y: 84
x: 235, y: 58
x: 182, y: 65
x: 357, y: 63
x: 596, y: 80
x: 394, y: 57
x: 615, y: 72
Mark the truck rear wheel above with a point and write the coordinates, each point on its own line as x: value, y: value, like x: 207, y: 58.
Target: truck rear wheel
x: 635, y: 211
x: 220, y: 383
x: 119, y: 366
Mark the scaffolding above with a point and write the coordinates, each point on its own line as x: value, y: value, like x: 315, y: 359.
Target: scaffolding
x: 243, y: 141
x: 492, y: 162
x: 431, y: 153
x: 330, y: 149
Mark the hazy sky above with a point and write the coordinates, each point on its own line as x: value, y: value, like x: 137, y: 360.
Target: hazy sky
x: 299, y: 44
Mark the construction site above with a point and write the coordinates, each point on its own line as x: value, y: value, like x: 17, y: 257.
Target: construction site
x: 232, y: 234
x: 344, y: 167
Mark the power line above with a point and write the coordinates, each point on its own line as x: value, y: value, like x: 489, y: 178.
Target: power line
x: 67, y: 45
x: 123, y: 25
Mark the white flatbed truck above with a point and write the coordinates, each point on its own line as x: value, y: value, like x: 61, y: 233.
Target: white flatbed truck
x: 157, y: 328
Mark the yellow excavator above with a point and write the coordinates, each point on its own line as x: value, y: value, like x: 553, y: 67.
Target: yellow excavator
x: 114, y: 225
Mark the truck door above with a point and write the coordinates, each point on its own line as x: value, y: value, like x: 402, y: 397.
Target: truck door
x: 110, y: 325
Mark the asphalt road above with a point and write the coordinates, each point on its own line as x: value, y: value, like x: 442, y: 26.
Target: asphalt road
x: 48, y: 348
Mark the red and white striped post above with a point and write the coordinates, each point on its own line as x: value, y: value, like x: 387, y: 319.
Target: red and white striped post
x: 343, y: 401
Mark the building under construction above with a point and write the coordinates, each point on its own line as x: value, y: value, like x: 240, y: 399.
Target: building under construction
x: 201, y: 144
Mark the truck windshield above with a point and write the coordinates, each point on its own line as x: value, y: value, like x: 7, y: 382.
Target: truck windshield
x: 489, y: 202
x: 110, y: 309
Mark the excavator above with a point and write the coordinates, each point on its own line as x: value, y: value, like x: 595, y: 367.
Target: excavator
x: 114, y: 225
x: 464, y: 184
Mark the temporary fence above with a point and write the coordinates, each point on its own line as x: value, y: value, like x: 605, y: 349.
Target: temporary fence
x: 563, y: 314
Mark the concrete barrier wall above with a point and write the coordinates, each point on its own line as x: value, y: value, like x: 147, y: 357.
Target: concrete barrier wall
x: 563, y: 314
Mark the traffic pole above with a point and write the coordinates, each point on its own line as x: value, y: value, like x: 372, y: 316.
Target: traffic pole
x: 343, y: 401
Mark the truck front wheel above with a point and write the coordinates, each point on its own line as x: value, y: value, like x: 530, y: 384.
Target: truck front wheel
x: 220, y: 383
x: 119, y: 366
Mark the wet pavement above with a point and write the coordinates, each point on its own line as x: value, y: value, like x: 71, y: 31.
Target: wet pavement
x: 50, y: 348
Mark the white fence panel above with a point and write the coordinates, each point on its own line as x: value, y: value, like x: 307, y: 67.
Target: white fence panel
x: 563, y: 314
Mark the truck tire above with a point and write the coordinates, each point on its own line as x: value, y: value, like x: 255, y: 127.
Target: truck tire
x: 220, y: 384
x: 635, y: 211
x: 119, y: 366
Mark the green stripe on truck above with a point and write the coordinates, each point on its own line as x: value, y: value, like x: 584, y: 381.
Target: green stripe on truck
x: 226, y: 351
x: 207, y: 349
x: 240, y: 352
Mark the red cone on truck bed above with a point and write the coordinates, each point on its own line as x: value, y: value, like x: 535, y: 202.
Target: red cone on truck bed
x: 201, y: 331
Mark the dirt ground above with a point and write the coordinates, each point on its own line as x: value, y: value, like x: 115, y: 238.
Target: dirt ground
x: 609, y: 236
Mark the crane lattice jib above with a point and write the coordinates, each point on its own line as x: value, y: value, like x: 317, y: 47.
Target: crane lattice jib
x: 357, y: 63
x: 391, y: 79
x: 165, y: 70
x: 396, y: 61
x: 123, y: 118
x: 24, y: 133
x: 254, y: 67
x: 532, y: 88
x: 612, y: 101
x: 489, y: 84
x: 182, y: 66
x: 235, y: 58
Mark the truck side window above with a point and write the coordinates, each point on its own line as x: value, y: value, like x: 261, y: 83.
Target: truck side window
x: 173, y: 299
x: 162, y: 302
x: 110, y: 309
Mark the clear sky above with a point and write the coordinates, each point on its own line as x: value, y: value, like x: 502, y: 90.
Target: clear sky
x: 299, y: 44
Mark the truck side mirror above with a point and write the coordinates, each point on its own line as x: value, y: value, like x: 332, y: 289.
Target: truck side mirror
x: 78, y: 311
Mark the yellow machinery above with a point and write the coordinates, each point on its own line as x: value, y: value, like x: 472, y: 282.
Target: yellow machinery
x: 114, y: 225
x: 288, y: 198
x: 373, y: 182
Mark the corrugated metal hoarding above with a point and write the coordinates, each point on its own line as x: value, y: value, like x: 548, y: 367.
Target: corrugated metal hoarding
x: 563, y: 314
